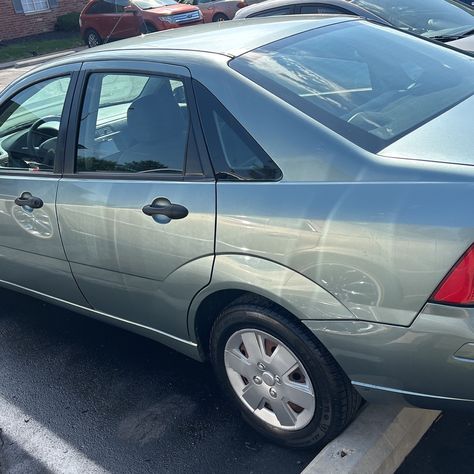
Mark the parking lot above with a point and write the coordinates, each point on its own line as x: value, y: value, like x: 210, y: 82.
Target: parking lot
x: 10, y: 74
x: 78, y: 395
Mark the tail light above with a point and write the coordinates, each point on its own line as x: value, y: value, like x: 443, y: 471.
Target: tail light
x: 241, y: 5
x: 457, y: 286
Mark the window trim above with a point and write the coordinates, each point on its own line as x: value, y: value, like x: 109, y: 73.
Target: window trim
x: 36, y: 12
x: 342, y: 10
x: 198, y: 156
x: 71, y: 70
x: 267, y: 13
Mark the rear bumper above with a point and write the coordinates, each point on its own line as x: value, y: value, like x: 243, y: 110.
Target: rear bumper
x: 429, y: 364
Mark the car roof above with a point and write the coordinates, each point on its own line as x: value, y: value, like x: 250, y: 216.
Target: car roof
x: 230, y: 38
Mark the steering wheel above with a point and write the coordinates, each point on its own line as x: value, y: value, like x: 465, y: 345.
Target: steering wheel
x: 30, y: 137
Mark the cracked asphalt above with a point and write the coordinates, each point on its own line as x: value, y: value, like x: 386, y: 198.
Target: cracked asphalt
x: 77, y: 395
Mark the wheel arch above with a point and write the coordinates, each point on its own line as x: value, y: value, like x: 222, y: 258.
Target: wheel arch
x: 235, y: 276
x: 220, y: 15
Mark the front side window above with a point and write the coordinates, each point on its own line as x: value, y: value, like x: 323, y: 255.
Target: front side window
x: 343, y: 77
x: 443, y: 19
x: 29, y: 126
x: 102, y: 6
x: 30, y: 6
x: 133, y: 123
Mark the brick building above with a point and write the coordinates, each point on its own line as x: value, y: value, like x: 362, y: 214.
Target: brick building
x: 19, y: 18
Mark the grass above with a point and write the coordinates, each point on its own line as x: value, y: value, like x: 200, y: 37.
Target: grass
x: 30, y: 48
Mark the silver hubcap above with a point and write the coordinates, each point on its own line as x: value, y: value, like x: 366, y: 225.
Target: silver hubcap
x: 269, y: 379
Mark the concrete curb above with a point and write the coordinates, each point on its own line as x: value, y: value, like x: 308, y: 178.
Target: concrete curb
x: 377, y: 441
x: 39, y: 59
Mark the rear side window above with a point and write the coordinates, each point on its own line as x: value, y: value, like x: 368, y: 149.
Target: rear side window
x: 342, y: 76
x: 234, y: 153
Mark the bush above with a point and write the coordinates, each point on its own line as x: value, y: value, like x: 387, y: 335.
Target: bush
x: 68, y: 22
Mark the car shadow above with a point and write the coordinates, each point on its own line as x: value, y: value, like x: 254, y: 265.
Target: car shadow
x: 117, y: 401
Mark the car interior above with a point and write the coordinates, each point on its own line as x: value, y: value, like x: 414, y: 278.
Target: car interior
x: 29, y: 126
x: 133, y: 123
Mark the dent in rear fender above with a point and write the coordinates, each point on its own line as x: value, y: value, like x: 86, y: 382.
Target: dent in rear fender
x: 296, y: 293
x: 419, y: 359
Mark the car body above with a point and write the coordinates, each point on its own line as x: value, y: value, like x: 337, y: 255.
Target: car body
x: 217, y: 10
x: 294, y: 206
x: 447, y: 21
x: 102, y: 21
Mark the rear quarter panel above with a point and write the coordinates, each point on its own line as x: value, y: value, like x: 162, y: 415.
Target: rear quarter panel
x: 378, y: 233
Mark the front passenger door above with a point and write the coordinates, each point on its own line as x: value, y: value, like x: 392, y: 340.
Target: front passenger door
x: 137, y: 205
x: 128, y: 22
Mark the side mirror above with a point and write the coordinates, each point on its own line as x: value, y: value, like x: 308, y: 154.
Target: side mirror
x: 130, y: 9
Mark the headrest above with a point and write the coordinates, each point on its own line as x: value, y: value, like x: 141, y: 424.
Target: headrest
x: 154, y: 117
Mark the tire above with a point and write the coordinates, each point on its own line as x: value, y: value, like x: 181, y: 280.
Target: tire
x: 92, y: 38
x: 322, y: 418
x: 220, y: 17
x: 150, y: 28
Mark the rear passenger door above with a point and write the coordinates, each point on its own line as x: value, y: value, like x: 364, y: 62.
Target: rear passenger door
x: 128, y: 23
x: 136, y: 205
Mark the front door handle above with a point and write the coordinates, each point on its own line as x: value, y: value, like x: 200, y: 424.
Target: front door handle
x: 26, y: 199
x: 163, y: 207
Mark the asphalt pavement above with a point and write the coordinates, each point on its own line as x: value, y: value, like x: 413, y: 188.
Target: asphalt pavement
x: 10, y: 74
x: 79, y: 395
x: 446, y: 448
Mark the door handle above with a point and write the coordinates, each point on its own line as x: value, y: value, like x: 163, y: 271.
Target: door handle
x: 26, y: 199
x: 163, y: 207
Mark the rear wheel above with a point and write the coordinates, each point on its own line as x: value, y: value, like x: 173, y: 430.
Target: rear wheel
x: 92, y: 38
x: 285, y: 383
x: 220, y: 17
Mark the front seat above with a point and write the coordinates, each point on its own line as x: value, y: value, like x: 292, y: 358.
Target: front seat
x: 158, y: 129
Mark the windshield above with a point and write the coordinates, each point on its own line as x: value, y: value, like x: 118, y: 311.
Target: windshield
x: 433, y: 18
x: 148, y: 4
x: 342, y: 76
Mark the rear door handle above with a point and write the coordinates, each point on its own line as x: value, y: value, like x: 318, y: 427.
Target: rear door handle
x: 26, y: 199
x: 163, y: 207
